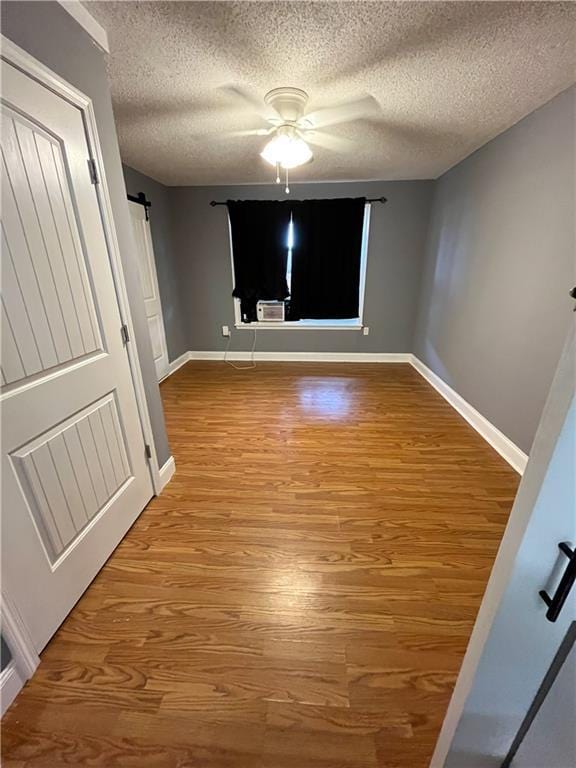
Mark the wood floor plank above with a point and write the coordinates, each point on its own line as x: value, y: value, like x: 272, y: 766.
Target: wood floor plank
x: 284, y: 748
x: 340, y: 720
x: 301, y: 594
x: 244, y: 739
x: 59, y: 748
x: 276, y: 680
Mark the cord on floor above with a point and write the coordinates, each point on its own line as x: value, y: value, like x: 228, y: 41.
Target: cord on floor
x: 241, y: 367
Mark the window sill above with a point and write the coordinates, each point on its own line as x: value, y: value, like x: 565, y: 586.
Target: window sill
x: 304, y: 325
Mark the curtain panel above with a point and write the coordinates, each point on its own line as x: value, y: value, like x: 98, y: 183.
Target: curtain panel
x: 326, y: 258
x: 259, y: 230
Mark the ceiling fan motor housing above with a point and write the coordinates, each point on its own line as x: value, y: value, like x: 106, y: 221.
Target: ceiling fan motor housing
x: 289, y: 103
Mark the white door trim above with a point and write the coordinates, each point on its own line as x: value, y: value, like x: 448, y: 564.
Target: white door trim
x: 11, y: 683
x: 553, y: 417
x: 18, y: 638
x: 21, y: 59
x: 24, y: 656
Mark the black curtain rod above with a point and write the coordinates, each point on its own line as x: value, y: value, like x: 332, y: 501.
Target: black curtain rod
x: 368, y: 200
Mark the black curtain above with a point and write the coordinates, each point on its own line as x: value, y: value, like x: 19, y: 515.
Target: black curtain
x: 259, y: 232
x: 326, y: 258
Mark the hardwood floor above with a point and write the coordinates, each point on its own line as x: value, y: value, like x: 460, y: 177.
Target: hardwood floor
x: 301, y: 594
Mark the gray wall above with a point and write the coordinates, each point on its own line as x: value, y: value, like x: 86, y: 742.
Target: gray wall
x: 168, y: 277
x: 396, y: 247
x: 51, y: 35
x: 494, y: 308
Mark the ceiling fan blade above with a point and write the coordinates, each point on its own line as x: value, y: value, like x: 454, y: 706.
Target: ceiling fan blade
x: 253, y: 132
x: 367, y: 106
x: 328, y: 141
x: 239, y: 93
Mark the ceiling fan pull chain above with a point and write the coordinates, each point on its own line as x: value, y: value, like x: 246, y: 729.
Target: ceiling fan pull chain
x: 277, y: 173
x: 287, y: 190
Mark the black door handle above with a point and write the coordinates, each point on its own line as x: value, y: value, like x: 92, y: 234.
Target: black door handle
x: 556, y: 603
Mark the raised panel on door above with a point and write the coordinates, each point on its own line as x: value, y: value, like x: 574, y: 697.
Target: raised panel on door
x: 74, y: 470
x: 47, y: 300
x: 156, y: 333
x: 69, y: 475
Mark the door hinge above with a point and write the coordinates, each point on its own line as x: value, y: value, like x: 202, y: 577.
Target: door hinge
x: 125, y: 335
x: 148, y: 451
x: 93, y: 171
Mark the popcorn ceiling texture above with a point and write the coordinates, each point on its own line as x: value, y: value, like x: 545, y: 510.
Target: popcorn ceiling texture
x: 448, y: 77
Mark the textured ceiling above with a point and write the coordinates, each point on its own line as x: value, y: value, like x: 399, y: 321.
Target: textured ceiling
x: 447, y: 76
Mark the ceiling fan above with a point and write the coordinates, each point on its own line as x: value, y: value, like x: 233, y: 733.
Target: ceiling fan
x: 292, y: 130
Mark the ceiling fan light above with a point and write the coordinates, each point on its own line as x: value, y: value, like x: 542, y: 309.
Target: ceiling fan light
x: 289, y: 151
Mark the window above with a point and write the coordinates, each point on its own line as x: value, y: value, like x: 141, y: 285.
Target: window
x: 336, y: 324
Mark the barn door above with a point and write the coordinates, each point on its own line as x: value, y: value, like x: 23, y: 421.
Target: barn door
x: 74, y: 471
x: 149, y: 280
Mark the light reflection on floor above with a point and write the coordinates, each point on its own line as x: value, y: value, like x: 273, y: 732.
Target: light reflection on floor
x: 291, y: 589
x: 326, y: 397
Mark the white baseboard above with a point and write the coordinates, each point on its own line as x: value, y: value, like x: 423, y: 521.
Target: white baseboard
x: 11, y: 683
x: 308, y: 357
x: 505, y: 447
x: 301, y: 357
x: 175, y: 364
x: 166, y: 471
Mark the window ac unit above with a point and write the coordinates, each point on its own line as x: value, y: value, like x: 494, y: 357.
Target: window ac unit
x: 270, y: 311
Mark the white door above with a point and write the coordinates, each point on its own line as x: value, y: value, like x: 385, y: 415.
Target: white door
x: 149, y: 279
x: 523, y: 641
x: 74, y: 472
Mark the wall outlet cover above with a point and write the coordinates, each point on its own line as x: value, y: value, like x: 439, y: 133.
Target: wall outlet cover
x: 225, y: 330
x: 366, y: 330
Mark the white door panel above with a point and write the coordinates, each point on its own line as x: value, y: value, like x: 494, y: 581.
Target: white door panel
x: 149, y: 281
x: 74, y: 470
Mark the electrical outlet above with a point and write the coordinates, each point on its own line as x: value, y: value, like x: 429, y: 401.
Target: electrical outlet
x: 366, y: 330
x: 225, y: 330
